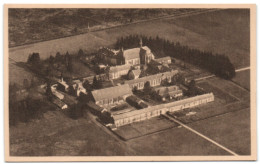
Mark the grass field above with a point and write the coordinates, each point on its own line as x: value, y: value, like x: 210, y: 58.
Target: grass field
x: 175, y: 141
x: 231, y: 88
x: 231, y: 130
x: 17, y: 74
x: 224, y: 98
x: 242, y: 79
x: 56, y: 134
x: 226, y: 31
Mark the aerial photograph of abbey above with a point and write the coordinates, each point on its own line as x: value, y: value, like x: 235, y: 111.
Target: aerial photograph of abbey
x: 129, y: 82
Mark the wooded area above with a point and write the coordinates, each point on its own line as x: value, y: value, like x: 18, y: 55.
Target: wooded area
x: 219, y: 64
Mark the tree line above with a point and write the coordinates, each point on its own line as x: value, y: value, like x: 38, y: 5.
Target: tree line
x: 218, y: 64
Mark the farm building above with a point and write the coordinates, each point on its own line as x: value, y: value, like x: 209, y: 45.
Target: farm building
x: 58, y: 94
x: 171, y: 92
x: 153, y: 111
x: 154, y: 80
x: 59, y: 103
x: 78, y: 88
x: 63, y: 86
x: 112, y: 95
x: 95, y: 108
x: 136, y: 102
x: 157, y: 67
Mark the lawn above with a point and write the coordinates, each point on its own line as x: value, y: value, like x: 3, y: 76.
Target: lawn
x: 231, y: 130
x: 230, y: 87
x: 222, y: 96
x: 175, y: 141
x: 243, y: 79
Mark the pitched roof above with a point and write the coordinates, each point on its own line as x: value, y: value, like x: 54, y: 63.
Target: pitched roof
x: 147, y: 78
x: 95, y: 107
x: 131, y: 53
x: 163, y: 59
x: 119, y: 68
x: 136, y: 72
x: 166, y: 90
x: 111, y: 92
x: 58, y: 102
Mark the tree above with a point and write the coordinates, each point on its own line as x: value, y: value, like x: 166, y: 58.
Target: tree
x: 51, y: 60
x: 33, y: 84
x: 95, y: 83
x: 48, y: 91
x: 87, y: 85
x: 192, y: 90
x: 147, y: 88
x: 58, y: 57
x: 26, y: 84
x: 70, y: 65
x: 80, y: 53
x: 34, y: 58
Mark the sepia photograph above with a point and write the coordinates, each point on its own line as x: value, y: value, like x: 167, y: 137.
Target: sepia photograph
x: 130, y: 82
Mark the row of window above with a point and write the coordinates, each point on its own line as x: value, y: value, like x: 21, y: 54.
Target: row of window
x: 110, y: 101
x: 118, y: 74
x: 133, y: 61
x: 148, y: 115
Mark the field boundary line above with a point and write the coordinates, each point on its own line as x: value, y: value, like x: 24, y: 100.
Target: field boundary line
x: 201, y: 135
x: 242, y: 69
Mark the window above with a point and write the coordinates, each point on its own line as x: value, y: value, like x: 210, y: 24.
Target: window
x: 111, y: 101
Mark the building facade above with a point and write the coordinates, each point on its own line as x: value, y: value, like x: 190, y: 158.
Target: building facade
x: 154, y: 80
x: 147, y: 113
x: 118, y: 71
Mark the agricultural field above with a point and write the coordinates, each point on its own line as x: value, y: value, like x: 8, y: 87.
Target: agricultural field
x: 175, y: 141
x: 173, y: 29
x: 242, y: 79
x: 56, y: 135
x: 231, y: 130
x: 34, y: 25
x: 17, y: 74
x: 230, y: 87
x: 226, y: 31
